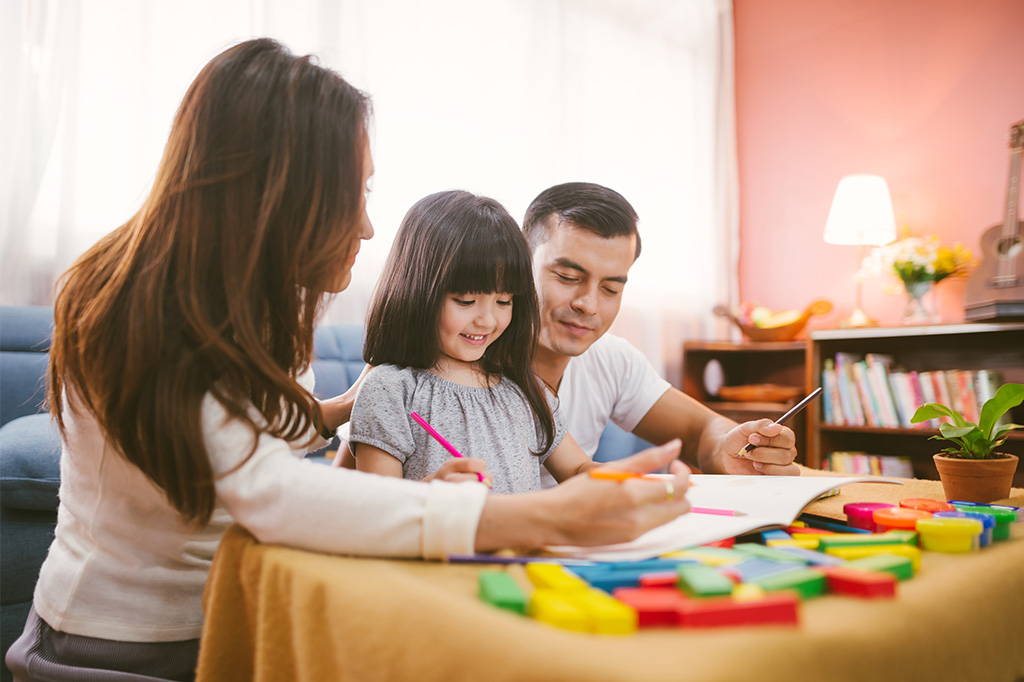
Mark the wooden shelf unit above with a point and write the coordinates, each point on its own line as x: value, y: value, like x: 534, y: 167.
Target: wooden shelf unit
x: 781, y: 363
x: 972, y: 346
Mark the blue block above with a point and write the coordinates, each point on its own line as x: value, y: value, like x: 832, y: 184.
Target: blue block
x: 756, y: 568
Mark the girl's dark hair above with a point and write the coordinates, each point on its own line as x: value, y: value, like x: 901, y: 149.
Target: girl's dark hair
x: 457, y: 243
x: 214, y: 285
x: 586, y: 205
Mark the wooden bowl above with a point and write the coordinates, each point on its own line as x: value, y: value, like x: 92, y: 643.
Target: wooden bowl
x: 785, y: 332
x: 759, y: 393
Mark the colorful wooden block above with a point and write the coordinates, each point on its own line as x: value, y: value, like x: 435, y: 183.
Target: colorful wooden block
x: 810, y: 543
x: 605, y: 614
x: 756, y: 568
x: 852, y: 553
x: 859, y: 583
x: 747, y: 592
x: 774, y: 534
x: 769, y: 553
x: 711, y: 556
x: 554, y: 577
x: 812, y: 557
x: 827, y: 542
x: 806, y: 582
x: 654, y: 606
x: 773, y: 609
x: 554, y: 608
x: 698, y: 580
x: 500, y: 589
x: 899, y: 566
x: 660, y: 579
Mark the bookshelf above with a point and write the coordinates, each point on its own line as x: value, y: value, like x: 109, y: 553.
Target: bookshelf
x: 973, y: 346
x: 782, y: 363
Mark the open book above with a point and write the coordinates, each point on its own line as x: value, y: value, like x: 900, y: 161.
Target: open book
x: 766, y: 501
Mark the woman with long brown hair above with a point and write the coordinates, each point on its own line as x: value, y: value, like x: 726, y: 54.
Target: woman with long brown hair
x: 179, y: 377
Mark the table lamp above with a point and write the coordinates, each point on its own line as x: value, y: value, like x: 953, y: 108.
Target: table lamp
x: 861, y: 214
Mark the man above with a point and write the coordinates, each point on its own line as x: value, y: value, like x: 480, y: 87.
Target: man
x: 584, y: 240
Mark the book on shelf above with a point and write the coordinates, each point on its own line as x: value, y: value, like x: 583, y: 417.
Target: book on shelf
x: 872, y: 390
x: 863, y: 464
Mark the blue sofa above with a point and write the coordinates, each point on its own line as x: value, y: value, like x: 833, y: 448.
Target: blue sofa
x: 30, y: 446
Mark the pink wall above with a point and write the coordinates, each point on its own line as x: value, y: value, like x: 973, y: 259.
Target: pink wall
x: 921, y: 92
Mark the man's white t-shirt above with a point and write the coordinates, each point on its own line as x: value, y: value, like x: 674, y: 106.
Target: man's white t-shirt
x: 610, y: 381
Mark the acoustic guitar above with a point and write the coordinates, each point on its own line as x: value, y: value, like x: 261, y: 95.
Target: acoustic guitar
x: 995, y: 289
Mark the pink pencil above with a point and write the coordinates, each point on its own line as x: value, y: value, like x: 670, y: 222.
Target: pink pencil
x: 440, y: 439
x: 716, y: 512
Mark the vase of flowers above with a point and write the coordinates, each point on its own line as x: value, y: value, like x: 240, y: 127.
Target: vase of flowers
x: 919, y: 263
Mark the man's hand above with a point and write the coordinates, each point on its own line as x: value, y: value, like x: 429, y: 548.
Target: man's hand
x: 773, y: 454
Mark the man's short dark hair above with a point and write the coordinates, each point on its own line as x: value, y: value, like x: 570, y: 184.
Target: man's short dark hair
x: 585, y: 205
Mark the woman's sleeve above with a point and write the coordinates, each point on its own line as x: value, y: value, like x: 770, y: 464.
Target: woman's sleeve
x: 299, y: 503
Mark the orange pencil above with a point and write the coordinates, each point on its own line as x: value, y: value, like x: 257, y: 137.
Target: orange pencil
x: 617, y: 475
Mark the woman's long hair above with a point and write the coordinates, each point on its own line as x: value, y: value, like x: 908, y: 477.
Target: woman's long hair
x: 214, y: 285
x: 457, y: 243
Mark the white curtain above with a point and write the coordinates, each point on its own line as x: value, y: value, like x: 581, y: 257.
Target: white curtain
x: 503, y: 98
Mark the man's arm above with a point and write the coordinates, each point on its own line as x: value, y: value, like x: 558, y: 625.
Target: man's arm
x: 711, y: 441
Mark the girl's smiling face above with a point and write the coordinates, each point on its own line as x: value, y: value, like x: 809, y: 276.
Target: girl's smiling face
x: 469, y: 324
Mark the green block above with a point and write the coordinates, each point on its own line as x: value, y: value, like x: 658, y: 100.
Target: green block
x: 906, y: 537
x: 698, y: 580
x: 806, y: 582
x: 500, y: 589
x: 899, y: 566
x: 861, y: 539
x: 769, y: 553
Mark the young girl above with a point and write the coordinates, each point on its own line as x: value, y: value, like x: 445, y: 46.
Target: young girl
x: 458, y: 284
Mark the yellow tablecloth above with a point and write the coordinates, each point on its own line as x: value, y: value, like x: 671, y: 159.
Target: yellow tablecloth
x: 274, y: 614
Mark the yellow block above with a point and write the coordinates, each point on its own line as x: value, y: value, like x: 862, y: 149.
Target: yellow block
x: 850, y: 553
x: 710, y: 556
x: 605, y: 614
x: 555, y: 608
x: 810, y: 543
x: 747, y: 592
x: 554, y: 577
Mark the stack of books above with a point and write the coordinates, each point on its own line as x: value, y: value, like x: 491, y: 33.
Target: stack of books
x: 863, y: 464
x: 872, y: 390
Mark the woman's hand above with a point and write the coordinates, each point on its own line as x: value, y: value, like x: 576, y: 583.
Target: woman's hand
x: 587, y: 511
x: 460, y: 470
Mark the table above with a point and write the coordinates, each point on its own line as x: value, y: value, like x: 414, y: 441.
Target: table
x: 275, y: 613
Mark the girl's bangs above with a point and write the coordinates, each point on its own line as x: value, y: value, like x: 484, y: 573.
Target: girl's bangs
x: 490, y: 267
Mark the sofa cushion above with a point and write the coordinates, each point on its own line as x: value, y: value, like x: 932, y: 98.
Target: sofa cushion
x: 30, y: 463
x: 338, y: 358
x: 25, y: 334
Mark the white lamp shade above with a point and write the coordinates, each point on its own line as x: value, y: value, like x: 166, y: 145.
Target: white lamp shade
x: 861, y: 212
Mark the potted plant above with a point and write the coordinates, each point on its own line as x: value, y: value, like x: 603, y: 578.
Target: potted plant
x: 970, y: 468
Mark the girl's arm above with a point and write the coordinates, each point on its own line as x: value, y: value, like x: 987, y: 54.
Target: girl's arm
x: 568, y: 459
x: 373, y: 460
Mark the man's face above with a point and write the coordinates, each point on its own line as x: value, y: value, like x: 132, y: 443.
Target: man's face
x: 580, y: 277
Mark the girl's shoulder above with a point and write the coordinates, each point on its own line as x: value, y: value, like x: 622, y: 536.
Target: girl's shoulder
x: 389, y: 377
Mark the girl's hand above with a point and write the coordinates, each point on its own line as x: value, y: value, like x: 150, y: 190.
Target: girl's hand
x: 461, y: 469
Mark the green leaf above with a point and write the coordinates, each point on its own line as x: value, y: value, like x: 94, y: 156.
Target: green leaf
x: 1007, y: 397
x: 932, y: 411
x: 950, y: 431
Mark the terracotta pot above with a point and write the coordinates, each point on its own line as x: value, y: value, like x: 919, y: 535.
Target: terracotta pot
x: 976, y: 480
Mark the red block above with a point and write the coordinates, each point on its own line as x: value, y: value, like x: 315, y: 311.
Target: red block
x: 726, y: 543
x: 660, y: 579
x: 655, y: 606
x: 778, y: 608
x: 857, y: 583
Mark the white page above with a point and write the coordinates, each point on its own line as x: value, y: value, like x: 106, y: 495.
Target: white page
x: 767, y: 501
